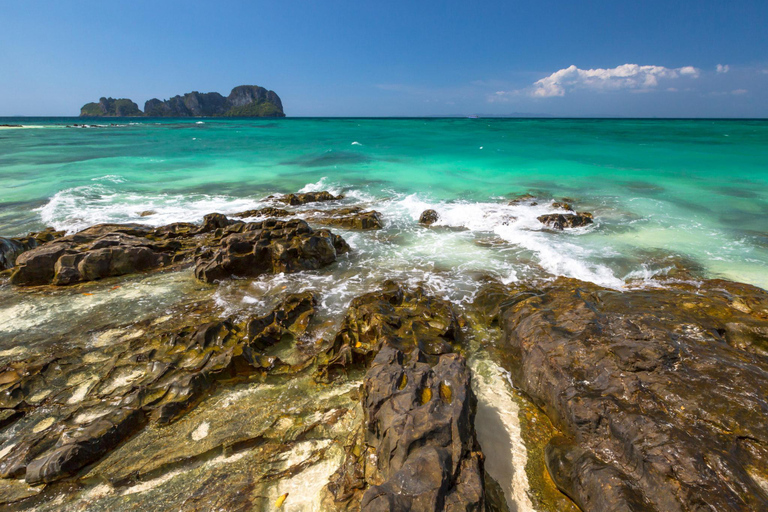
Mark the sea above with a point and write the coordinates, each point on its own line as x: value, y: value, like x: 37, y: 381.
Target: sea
x: 662, y: 192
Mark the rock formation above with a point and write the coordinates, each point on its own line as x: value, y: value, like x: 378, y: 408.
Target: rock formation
x: 560, y: 221
x: 243, y: 101
x: 110, y: 107
x: 660, y: 394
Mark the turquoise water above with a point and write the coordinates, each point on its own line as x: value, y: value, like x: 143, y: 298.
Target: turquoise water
x: 661, y: 191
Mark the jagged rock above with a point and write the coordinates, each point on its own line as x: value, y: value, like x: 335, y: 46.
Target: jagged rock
x: 560, y: 221
x: 89, y: 255
x: 263, y: 212
x: 661, y: 393
x: 244, y: 100
x: 428, y: 217
x: 417, y: 450
x: 419, y: 423
x: 562, y: 205
x: 271, y: 246
x: 404, y: 318
x: 309, y: 197
x: 11, y: 248
x: 96, y: 399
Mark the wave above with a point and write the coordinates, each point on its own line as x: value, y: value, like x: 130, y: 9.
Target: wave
x: 470, y: 239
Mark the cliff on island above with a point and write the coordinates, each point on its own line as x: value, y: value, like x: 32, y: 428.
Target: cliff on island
x: 243, y: 101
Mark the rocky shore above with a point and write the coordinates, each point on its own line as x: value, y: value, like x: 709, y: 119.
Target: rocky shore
x: 641, y: 399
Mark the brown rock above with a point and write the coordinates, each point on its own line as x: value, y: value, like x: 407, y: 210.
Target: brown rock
x: 560, y: 221
x: 661, y: 394
x: 309, y: 197
x: 428, y: 217
x: 271, y: 246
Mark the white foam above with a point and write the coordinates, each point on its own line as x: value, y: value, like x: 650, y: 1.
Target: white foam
x: 320, y: 185
x: 356, y: 144
x: 77, y: 208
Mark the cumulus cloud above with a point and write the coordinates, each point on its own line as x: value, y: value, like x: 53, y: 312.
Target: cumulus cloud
x: 626, y: 76
x: 723, y: 68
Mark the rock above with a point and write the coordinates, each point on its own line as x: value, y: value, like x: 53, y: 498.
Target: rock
x: 271, y: 246
x: 428, y: 217
x: 560, y: 221
x: 660, y: 394
x: 417, y: 448
x: 11, y: 248
x: 527, y: 198
x: 89, y: 255
x: 263, y: 212
x: 214, y: 221
x: 147, y: 213
x: 309, y: 197
x: 353, y: 217
x: 562, y: 206
x: 406, y: 319
x: 98, y: 398
x: 419, y: 424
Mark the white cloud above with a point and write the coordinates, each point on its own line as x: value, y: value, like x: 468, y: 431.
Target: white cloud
x: 627, y: 76
x: 723, y: 68
x: 739, y: 92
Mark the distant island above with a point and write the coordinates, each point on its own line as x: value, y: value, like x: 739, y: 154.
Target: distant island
x: 243, y: 101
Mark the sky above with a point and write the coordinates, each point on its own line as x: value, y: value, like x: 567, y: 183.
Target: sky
x: 669, y: 58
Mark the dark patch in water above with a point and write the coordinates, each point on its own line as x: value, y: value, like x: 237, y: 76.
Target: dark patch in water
x: 643, y: 187
x: 737, y: 192
x: 329, y: 159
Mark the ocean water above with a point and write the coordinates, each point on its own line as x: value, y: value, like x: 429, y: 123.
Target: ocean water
x: 663, y: 192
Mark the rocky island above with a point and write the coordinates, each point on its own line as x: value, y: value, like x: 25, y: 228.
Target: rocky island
x: 243, y: 101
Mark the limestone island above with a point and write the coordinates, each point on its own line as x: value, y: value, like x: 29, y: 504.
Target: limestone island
x: 243, y: 101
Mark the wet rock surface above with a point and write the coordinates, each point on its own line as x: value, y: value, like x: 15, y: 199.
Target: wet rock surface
x: 271, y: 246
x: 352, y: 217
x: 403, y: 318
x: 308, y: 197
x: 221, y: 248
x: 560, y: 221
x: 420, y: 428
x: 428, y: 217
x: 69, y: 411
x: 660, y: 394
x: 418, y: 449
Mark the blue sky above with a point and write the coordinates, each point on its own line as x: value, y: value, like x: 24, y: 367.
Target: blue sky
x: 667, y: 58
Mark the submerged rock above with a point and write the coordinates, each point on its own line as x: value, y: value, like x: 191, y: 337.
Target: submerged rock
x: 560, y: 221
x: 428, y: 217
x: 271, y: 246
x: 526, y: 198
x: 660, y: 394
